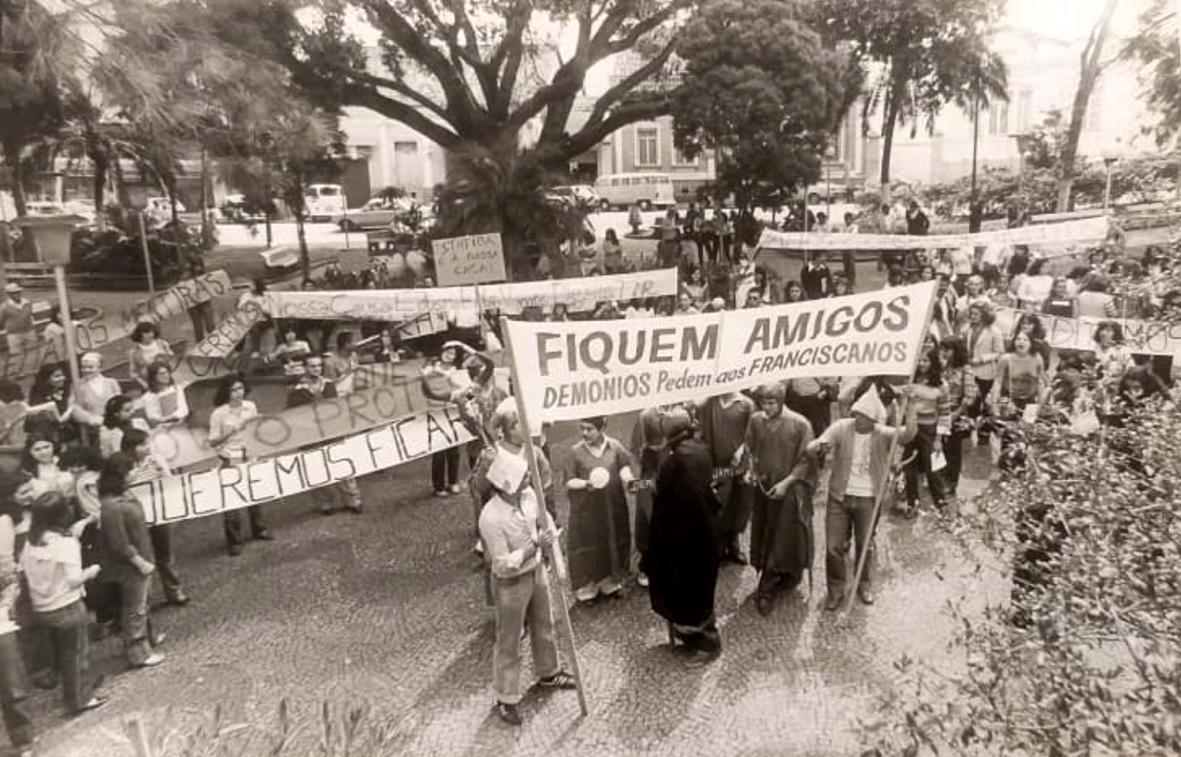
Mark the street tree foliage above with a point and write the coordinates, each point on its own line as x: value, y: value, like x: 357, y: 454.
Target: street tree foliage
x: 760, y: 88
x: 1084, y: 656
x: 31, y: 85
x: 920, y: 56
x: 1156, y: 46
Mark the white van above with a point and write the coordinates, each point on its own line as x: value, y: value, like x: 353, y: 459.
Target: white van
x: 648, y: 190
x: 324, y: 201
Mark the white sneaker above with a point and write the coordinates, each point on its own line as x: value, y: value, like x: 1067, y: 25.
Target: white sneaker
x: 479, y: 548
x: 610, y: 587
x: 642, y: 580
x: 154, y: 659
x: 586, y: 593
x: 455, y: 489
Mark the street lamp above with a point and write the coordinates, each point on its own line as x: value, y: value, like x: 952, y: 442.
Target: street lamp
x: 1110, y: 156
x: 52, y: 235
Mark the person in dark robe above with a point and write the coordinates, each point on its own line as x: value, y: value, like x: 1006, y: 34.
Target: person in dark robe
x: 781, y: 542
x: 723, y: 420
x: 648, y: 447
x: 684, y: 551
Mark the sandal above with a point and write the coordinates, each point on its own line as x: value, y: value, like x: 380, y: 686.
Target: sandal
x: 559, y: 680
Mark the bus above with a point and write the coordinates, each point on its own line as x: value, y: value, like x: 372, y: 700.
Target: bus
x: 324, y: 201
x: 648, y: 190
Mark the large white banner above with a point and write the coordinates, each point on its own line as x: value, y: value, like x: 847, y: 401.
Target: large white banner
x: 1090, y: 230
x: 1141, y: 337
x: 582, y: 369
x: 209, y: 492
x: 396, y: 304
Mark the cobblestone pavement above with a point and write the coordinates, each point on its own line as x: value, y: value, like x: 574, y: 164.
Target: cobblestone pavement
x: 385, y: 612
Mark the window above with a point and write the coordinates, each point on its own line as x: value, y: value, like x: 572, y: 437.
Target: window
x: 998, y: 118
x: 647, y: 146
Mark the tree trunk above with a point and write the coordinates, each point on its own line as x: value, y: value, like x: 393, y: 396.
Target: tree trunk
x: 305, y: 259
x: 17, y: 172
x: 172, y: 203
x: 889, y: 121
x: 1090, y: 67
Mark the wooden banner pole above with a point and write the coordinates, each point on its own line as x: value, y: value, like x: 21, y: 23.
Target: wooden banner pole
x: 556, y: 560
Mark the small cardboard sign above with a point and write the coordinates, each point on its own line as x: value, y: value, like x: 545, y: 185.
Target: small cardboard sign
x: 475, y: 259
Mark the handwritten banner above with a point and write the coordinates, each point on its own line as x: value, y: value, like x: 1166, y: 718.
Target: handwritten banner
x: 474, y: 259
x: 180, y: 298
x: 1086, y: 231
x: 230, y: 331
x: 210, y: 492
x: 380, y: 392
x: 396, y: 304
x: 1141, y: 337
x: 581, y: 369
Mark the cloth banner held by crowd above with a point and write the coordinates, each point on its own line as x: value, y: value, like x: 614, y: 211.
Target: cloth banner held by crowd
x: 397, y: 304
x: 1140, y: 337
x: 218, y: 490
x: 380, y: 394
x: 1086, y: 231
x: 582, y: 369
x: 97, y: 334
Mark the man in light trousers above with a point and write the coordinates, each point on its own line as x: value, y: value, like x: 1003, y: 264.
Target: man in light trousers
x: 520, y: 585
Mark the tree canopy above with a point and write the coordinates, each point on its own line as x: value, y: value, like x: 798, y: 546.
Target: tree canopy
x: 925, y: 55
x: 759, y: 87
x: 1156, y: 47
x: 464, y: 72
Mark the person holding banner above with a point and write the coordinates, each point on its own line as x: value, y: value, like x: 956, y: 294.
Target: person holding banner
x: 52, y: 391
x: 311, y: 388
x: 985, y: 347
x: 599, y: 535
x: 129, y: 558
x: 781, y: 524
x: 148, y: 466
x: 118, y: 416
x: 148, y: 347
x: 520, y: 585
x: 164, y: 403
x: 17, y: 720
x: 860, y: 471
x: 684, y: 551
x: 723, y: 421
x: 231, y: 412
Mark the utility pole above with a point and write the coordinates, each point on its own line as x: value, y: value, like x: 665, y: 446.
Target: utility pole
x: 974, y: 212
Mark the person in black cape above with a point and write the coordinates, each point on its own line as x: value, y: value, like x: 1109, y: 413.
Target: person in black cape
x: 684, y: 544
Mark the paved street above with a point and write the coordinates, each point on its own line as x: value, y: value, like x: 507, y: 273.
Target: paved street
x: 385, y: 612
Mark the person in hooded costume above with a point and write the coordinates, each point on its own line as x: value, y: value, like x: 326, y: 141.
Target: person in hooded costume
x: 783, y: 475
x: 724, y: 420
x: 860, y: 448
x: 684, y: 548
x: 520, y: 584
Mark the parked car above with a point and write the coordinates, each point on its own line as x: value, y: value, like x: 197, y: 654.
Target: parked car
x: 623, y: 190
x: 323, y: 202
x: 375, y: 214
x: 575, y: 194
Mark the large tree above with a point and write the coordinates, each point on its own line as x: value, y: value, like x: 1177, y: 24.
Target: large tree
x: 473, y: 73
x: 924, y: 55
x: 760, y: 89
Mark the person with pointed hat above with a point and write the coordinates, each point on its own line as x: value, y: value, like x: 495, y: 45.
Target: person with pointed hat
x: 860, y: 468
x: 520, y: 585
x: 783, y: 476
x: 684, y: 548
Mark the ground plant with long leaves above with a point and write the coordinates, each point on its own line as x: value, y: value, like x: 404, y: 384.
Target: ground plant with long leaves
x: 1083, y: 657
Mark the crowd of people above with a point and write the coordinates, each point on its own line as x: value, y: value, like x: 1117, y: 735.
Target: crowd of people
x: 666, y: 508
